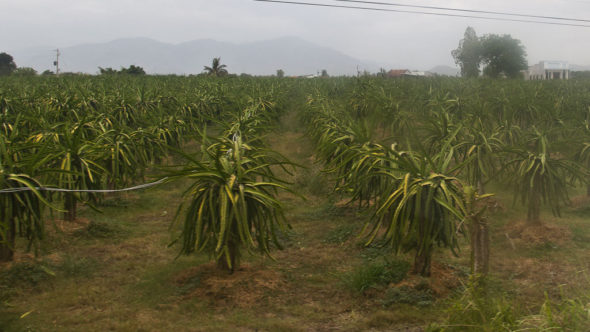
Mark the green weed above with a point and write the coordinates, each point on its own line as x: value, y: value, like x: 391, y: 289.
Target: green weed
x: 341, y: 234
x: 477, y: 310
x: 313, y: 181
x: 27, y: 275
x: 322, y: 212
x: 72, y: 266
x: 374, y: 251
x: 101, y: 230
x: 188, y: 286
x: 408, y: 295
x: 376, y: 274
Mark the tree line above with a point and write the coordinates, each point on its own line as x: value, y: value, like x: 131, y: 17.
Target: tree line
x: 9, y: 67
x: 500, y: 55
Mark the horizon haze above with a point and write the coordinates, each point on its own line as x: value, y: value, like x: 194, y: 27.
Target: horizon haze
x: 383, y: 39
x: 293, y: 55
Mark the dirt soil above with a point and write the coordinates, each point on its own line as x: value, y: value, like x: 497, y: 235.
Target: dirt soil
x: 526, y: 235
x: 244, y: 288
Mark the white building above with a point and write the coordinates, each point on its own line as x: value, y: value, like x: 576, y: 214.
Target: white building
x: 549, y: 70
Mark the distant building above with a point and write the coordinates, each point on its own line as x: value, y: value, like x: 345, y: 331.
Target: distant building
x: 549, y: 70
x: 406, y: 72
x: 398, y: 72
x: 420, y: 73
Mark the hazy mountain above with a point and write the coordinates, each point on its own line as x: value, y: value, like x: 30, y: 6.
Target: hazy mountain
x: 294, y: 55
x: 445, y: 70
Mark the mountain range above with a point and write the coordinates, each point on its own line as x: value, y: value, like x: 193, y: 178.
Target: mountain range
x: 293, y: 55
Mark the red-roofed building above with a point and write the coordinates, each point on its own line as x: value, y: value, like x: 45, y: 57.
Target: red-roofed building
x: 398, y: 72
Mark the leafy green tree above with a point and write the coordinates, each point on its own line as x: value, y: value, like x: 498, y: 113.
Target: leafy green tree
x: 24, y: 71
x: 325, y: 73
x: 216, y: 69
x: 502, y: 55
x: 468, y: 54
x: 280, y: 73
x: 107, y: 71
x: 7, y: 65
x: 133, y: 70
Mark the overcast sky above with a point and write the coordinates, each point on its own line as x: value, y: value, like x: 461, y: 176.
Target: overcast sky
x: 394, y: 39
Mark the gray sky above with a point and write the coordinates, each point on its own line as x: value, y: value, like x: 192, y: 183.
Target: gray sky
x: 394, y: 39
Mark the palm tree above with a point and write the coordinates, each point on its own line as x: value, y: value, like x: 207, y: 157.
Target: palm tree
x: 216, y: 69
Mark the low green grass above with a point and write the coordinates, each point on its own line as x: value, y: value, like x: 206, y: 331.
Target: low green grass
x: 342, y: 233
x: 417, y: 296
x: 376, y: 275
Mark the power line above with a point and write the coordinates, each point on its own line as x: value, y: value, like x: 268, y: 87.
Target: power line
x: 422, y: 13
x: 465, y: 10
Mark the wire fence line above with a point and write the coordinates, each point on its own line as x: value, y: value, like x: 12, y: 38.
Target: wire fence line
x: 141, y: 186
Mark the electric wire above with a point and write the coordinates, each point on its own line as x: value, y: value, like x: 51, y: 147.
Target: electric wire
x: 422, y: 13
x: 464, y: 10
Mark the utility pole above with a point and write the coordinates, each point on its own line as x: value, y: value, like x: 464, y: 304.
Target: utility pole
x: 56, y: 62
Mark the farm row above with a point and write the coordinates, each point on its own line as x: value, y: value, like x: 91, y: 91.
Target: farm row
x: 88, y: 135
x: 419, y: 158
